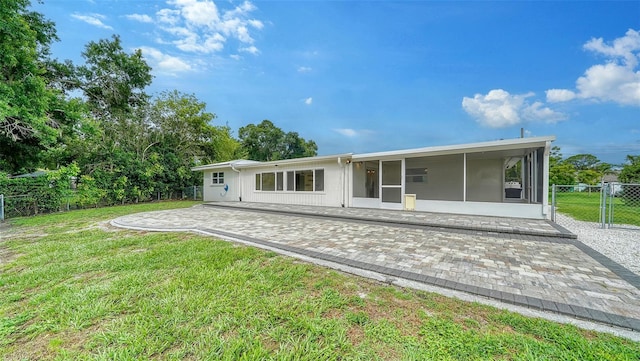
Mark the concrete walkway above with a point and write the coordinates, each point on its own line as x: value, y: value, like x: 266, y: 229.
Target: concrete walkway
x: 536, y: 265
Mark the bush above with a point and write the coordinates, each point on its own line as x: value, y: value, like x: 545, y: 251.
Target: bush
x: 39, y: 194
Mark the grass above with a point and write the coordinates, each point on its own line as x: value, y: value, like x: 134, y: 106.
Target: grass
x: 72, y: 288
x: 585, y: 206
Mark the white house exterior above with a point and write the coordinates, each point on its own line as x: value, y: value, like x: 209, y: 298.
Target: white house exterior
x: 461, y: 179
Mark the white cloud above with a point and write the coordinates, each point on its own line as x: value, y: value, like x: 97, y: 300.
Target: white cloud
x: 143, y: 18
x: 308, y: 101
x: 304, y: 69
x: 92, y: 19
x: 610, y: 82
x: 352, y: 133
x: 168, y: 16
x: 559, y: 95
x: 235, y: 56
x: 618, y: 80
x: 200, y: 26
x: 625, y: 47
x: 499, y: 109
x: 165, y: 63
x: 250, y: 49
x: 347, y: 132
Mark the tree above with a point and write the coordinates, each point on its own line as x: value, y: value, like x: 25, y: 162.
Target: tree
x: 589, y: 176
x: 266, y: 142
x: 27, y: 102
x: 183, y: 135
x: 560, y: 173
x: 630, y: 172
x: 583, y: 161
x: 112, y: 80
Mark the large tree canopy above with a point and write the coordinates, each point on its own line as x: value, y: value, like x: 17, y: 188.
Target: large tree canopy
x: 112, y: 80
x: 98, y: 119
x: 27, y: 102
x: 266, y: 142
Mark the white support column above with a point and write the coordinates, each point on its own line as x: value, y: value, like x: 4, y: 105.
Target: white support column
x: 403, y: 172
x: 545, y: 180
x: 464, y: 177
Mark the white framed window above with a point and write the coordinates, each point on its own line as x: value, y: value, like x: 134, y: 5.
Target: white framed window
x: 217, y: 178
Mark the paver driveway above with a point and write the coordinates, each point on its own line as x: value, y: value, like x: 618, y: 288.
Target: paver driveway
x: 538, y: 271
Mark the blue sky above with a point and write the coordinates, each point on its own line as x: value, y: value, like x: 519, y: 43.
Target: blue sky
x: 364, y: 76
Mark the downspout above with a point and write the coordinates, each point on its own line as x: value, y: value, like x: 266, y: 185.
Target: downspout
x: 239, y: 182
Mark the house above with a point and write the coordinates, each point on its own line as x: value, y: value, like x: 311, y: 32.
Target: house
x: 461, y: 179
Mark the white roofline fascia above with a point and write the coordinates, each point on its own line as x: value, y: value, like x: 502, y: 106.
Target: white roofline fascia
x: 231, y: 163
x: 460, y: 148
x: 241, y: 163
x: 298, y: 160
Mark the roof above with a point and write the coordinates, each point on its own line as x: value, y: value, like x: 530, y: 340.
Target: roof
x: 36, y: 174
x: 510, y: 147
x: 238, y: 163
x: 497, y: 145
x: 243, y: 163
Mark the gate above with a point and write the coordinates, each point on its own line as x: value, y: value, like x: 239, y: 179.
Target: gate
x: 609, y: 204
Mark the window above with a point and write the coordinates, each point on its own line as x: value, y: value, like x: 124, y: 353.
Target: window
x: 279, y: 181
x: 268, y: 182
x: 290, y: 181
x: 304, y: 181
x: 294, y: 181
x: 217, y: 178
x: 319, y: 178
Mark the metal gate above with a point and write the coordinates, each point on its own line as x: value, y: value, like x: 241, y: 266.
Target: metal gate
x: 611, y: 205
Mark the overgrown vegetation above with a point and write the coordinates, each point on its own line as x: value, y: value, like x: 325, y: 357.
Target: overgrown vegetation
x: 72, y: 288
x: 97, y: 116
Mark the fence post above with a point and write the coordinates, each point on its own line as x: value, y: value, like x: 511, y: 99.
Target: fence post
x: 1, y: 207
x: 603, y: 205
x: 553, y: 203
x: 194, y: 193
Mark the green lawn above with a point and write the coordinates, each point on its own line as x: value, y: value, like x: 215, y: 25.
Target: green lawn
x: 585, y: 206
x: 72, y: 288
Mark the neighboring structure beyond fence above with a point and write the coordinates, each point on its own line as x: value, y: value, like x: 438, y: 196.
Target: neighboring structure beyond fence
x: 609, y: 204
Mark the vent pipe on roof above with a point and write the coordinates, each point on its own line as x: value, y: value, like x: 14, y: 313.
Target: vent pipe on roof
x: 521, y: 132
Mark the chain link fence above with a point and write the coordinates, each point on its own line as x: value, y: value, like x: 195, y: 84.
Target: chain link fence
x: 611, y: 205
x: 21, y: 205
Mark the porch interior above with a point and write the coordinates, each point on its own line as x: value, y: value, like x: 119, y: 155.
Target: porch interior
x: 504, y: 176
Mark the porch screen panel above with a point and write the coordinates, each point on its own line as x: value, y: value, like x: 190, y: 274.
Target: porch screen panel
x: 392, y: 181
x: 392, y: 195
x: 392, y: 173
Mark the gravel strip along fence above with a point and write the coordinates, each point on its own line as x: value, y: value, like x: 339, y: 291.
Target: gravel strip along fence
x: 621, y: 245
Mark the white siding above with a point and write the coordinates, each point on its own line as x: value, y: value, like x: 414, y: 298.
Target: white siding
x: 333, y: 194
x: 216, y: 192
